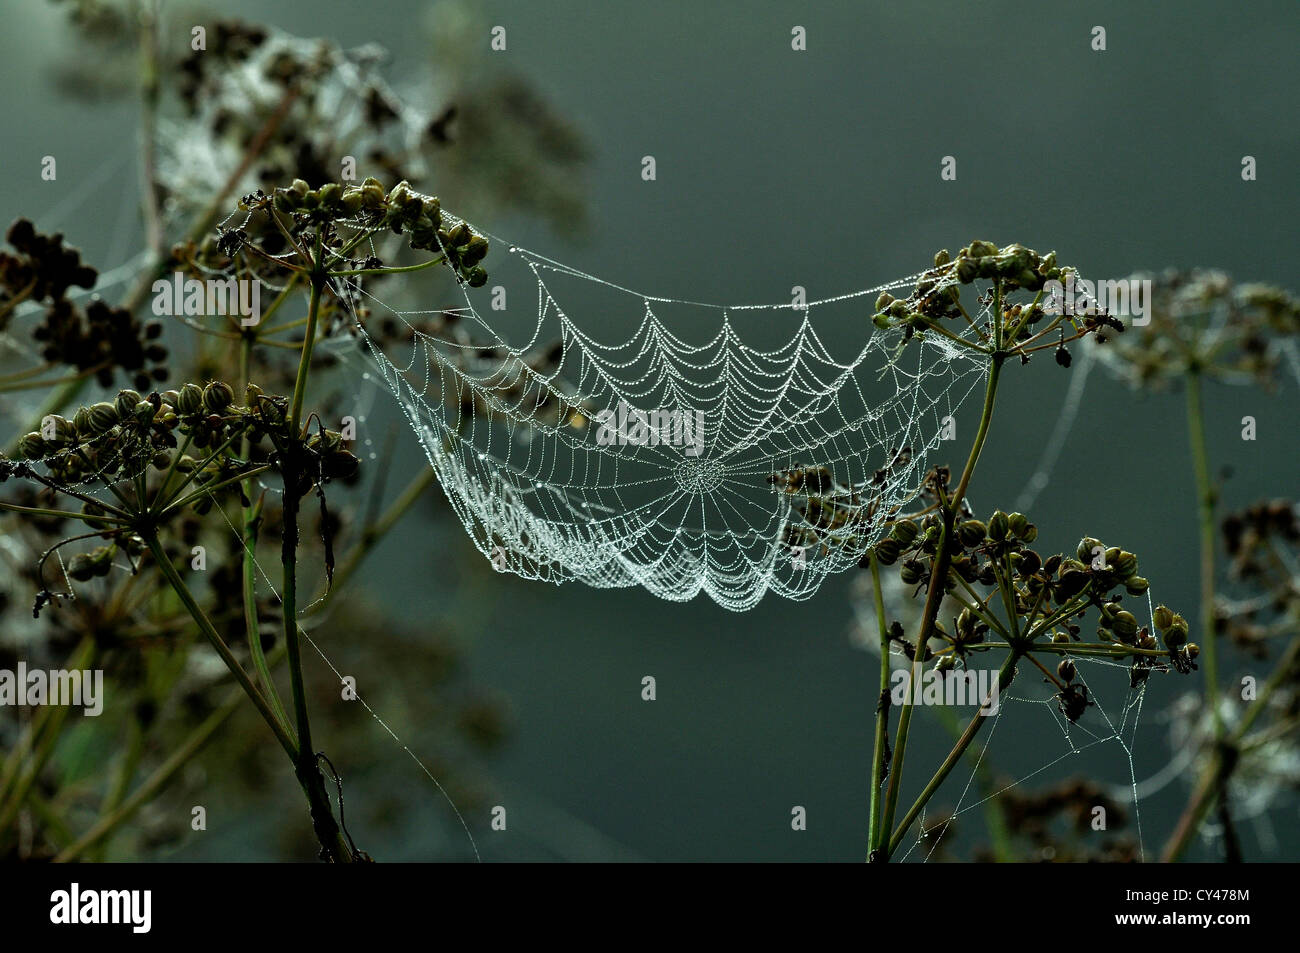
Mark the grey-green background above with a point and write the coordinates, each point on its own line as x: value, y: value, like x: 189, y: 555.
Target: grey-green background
x: 819, y: 168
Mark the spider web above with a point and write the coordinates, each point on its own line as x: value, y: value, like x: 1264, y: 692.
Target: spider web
x: 632, y: 440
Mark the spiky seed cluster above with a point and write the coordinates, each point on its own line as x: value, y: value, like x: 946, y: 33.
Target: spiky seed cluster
x: 1058, y: 589
x: 402, y: 209
x: 111, y: 440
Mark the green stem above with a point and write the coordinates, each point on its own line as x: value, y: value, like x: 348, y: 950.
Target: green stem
x: 937, y: 587
x: 1214, y: 776
x: 882, y: 711
x: 1005, y: 675
x: 1205, y: 502
x: 205, y: 626
x: 327, y: 830
x: 252, y: 517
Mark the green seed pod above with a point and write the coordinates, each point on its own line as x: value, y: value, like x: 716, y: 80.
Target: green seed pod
x: 881, y: 321
x: 103, y: 416
x: 1028, y: 563
x: 887, y: 551
x: 81, y: 567
x: 1136, y: 585
x: 144, y: 411
x: 475, y: 251
x: 999, y: 526
x: 1125, y: 563
x: 905, y: 531
x: 941, y: 258
x: 1192, y: 650
x: 1087, y: 549
x: 945, y: 663
x: 966, y: 271
x: 352, y: 201
x: 59, y: 432
x: 217, y: 396
x: 300, y: 188
x: 1060, y: 638
x: 884, y: 301
x: 372, y: 193
x: 1176, y: 634
x: 972, y: 533
x: 1125, y: 625
x: 189, y: 401
x: 1112, y: 554
x: 1164, y: 617
x: 912, y: 572
x: 169, y: 397
x: 32, y: 447
x: 102, y: 560
x: 476, y: 276
x: 1065, y: 670
x: 981, y: 249
x: 161, y: 460
x: 331, y: 195
x: 126, y: 401
x: 81, y: 422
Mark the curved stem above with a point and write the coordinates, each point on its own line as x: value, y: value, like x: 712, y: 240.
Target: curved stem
x: 938, y: 580
x: 205, y: 626
x: 1005, y: 675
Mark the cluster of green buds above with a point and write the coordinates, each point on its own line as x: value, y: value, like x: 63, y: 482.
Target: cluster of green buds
x: 1040, y: 597
x: 113, y: 440
x: 402, y: 209
x: 107, y: 440
x: 937, y: 293
x: 1020, y: 328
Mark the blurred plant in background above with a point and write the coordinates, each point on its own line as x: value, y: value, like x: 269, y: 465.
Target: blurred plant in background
x: 200, y: 423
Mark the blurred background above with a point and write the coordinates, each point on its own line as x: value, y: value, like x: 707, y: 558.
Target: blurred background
x: 775, y: 168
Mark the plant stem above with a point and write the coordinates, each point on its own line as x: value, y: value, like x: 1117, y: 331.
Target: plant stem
x: 373, y: 534
x: 1214, y: 777
x: 882, y: 711
x: 252, y: 517
x: 304, y: 361
x: 1005, y: 675
x: 1205, y: 501
x: 327, y: 830
x: 937, y: 587
x: 205, y: 626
